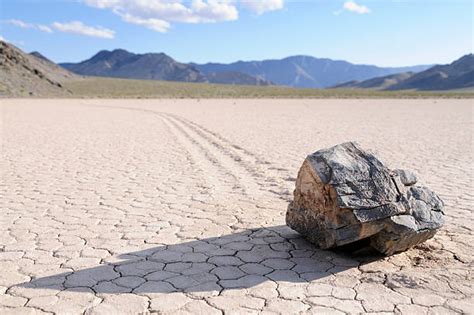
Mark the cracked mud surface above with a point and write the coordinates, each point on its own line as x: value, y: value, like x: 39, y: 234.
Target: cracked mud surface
x: 178, y: 206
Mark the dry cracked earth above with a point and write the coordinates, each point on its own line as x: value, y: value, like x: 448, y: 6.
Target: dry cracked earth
x: 177, y: 206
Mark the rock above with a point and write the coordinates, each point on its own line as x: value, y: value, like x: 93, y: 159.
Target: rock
x: 344, y: 194
x: 407, y: 178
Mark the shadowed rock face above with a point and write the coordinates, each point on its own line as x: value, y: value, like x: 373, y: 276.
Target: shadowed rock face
x: 344, y: 194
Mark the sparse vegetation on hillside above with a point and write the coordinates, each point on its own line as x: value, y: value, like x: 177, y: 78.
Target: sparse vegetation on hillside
x: 33, y: 75
x: 124, y: 88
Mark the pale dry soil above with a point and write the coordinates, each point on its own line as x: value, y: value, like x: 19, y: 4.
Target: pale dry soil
x: 177, y: 206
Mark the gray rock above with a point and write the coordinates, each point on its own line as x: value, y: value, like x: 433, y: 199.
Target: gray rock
x: 407, y: 178
x: 344, y: 194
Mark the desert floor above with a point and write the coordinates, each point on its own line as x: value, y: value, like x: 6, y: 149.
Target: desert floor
x: 127, y: 206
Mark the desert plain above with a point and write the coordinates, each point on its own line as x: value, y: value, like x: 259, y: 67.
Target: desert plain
x: 178, y: 206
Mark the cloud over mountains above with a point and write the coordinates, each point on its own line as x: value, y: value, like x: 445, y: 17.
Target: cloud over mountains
x: 158, y: 15
x: 22, y: 24
x: 77, y: 27
x: 74, y: 27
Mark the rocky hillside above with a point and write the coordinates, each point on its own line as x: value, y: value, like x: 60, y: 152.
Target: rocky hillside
x: 22, y: 74
x: 457, y: 75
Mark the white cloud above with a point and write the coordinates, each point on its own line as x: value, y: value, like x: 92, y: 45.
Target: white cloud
x: 262, y: 6
x: 19, y: 23
x: 153, y: 24
x: 356, y: 8
x: 76, y: 27
x: 22, y: 24
x: 159, y: 14
x: 45, y: 28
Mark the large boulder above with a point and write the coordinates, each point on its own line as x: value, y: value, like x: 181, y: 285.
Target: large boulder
x: 344, y: 194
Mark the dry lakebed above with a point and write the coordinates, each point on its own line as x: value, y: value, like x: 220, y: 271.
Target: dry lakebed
x: 178, y: 206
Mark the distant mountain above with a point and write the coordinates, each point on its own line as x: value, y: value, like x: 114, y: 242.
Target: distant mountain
x: 457, y: 75
x: 22, y: 74
x: 120, y: 63
x: 380, y: 83
x: 297, y: 71
x: 306, y: 71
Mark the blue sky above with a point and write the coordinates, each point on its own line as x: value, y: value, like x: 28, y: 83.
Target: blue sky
x: 383, y: 32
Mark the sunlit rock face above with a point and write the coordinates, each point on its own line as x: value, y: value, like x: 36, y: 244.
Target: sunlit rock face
x: 344, y: 194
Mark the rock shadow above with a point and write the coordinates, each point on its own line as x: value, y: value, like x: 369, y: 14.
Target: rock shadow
x: 236, y: 261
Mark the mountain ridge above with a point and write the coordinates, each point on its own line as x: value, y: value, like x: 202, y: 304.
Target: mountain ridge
x: 120, y: 63
x: 457, y: 75
x: 306, y: 71
x: 295, y: 71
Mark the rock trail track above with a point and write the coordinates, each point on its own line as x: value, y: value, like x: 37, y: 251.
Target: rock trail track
x: 170, y: 207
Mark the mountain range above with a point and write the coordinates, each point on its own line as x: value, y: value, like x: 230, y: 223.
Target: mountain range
x: 34, y: 74
x: 306, y: 71
x: 120, y: 63
x: 296, y: 71
x: 457, y: 75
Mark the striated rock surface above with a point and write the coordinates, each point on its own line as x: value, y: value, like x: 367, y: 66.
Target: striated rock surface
x: 344, y: 194
x: 23, y: 74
